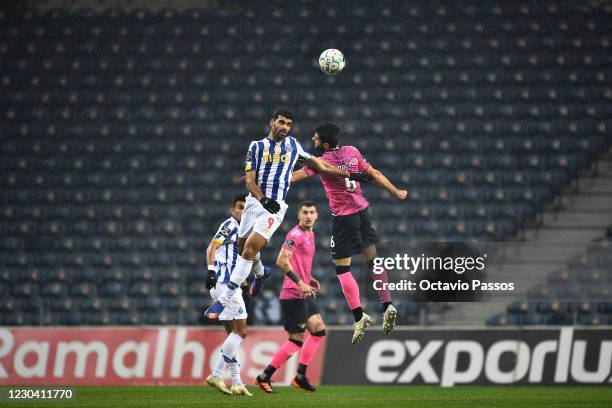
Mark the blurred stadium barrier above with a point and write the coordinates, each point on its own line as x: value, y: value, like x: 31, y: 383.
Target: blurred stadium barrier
x: 132, y: 355
x: 435, y: 356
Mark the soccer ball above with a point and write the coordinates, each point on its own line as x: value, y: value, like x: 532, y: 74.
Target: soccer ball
x: 331, y: 62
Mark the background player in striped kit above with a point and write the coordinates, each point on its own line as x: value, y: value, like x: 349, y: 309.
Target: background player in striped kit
x: 221, y: 256
x: 269, y: 167
x: 352, y: 231
x: 299, y: 309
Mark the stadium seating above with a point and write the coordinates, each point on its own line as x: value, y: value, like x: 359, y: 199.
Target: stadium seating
x: 587, y: 276
x: 123, y: 137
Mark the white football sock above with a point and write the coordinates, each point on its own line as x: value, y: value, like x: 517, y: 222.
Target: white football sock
x: 219, y: 368
x: 258, y: 268
x: 235, y: 369
x: 228, y: 355
x: 239, y: 274
x: 230, y: 346
x: 241, y: 271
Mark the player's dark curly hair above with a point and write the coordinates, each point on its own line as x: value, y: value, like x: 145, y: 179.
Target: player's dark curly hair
x: 239, y: 197
x: 329, y: 133
x: 282, y: 111
x: 306, y: 203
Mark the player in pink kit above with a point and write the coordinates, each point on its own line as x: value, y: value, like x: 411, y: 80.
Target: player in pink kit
x: 352, y: 231
x: 299, y: 310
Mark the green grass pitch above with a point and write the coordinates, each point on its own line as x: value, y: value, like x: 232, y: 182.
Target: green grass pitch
x: 338, y: 396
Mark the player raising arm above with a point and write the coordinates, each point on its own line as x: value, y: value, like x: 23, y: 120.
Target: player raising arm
x: 269, y: 167
x: 352, y: 231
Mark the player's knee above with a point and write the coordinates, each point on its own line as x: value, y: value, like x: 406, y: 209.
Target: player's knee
x: 369, y: 253
x: 247, y: 252
x: 342, y: 262
x: 242, y: 332
x: 318, y: 328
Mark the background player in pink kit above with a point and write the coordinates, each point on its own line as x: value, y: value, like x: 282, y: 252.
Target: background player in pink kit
x: 352, y: 231
x: 297, y: 300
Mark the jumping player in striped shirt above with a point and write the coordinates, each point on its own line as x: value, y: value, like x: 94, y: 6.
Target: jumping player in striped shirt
x: 269, y: 167
x: 352, y: 231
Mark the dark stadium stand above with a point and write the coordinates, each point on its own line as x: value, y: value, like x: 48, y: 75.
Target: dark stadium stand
x: 587, y: 275
x: 123, y: 137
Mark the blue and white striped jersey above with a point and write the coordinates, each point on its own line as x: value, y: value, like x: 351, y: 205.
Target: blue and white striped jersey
x: 273, y: 163
x: 227, y: 254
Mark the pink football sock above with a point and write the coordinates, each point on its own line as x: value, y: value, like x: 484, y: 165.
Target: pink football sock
x: 310, y: 348
x: 350, y: 290
x: 384, y: 294
x: 283, y: 353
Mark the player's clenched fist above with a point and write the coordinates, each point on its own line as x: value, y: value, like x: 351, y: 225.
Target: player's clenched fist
x: 401, y: 194
x: 211, y: 278
x: 271, y: 205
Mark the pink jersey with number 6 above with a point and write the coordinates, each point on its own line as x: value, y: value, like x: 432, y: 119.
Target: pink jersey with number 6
x: 344, y: 195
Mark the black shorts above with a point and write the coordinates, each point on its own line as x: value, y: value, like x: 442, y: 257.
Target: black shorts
x: 351, y: 233
x: 296, y: 312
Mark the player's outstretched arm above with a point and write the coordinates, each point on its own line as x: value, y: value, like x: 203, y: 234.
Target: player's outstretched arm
x: 321, y: 166
x: 284, y: 262
x: 298, y: 175
x: 379, y: 179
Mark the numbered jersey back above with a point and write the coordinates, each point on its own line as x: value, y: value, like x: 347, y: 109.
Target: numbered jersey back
x: 344, y: 195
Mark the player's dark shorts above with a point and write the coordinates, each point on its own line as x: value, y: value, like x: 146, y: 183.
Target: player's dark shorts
x: 296, y: 312
x: 351, y: 233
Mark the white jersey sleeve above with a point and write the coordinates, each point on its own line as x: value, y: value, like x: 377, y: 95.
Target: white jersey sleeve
x: 251, y: 157
x: 223, y: 233
x: 301, y: 152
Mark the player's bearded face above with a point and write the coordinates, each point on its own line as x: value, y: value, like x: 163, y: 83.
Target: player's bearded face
x: 281, y: 126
